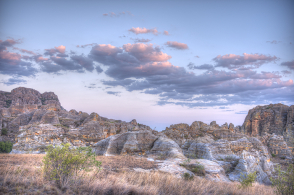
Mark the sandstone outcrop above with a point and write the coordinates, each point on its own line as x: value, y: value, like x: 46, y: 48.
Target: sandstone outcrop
x: 271, y: 119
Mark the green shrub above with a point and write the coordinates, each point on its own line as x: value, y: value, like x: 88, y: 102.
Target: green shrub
x: 187, y: 176
x: 247, y: 180
x: 199, y: 170
x: 284, y: 182
x: 4, y: 131
x: 274, y: 155
x: 66, y: 166
x: 5, y: 147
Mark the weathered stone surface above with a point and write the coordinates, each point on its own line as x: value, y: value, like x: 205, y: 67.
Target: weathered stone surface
x: 35, y: 138
x: 213, y: 171
x: 50, y: 117
x: 138, y: 142
x: 182, y: 133
x: 229, y: 153
x: 248, y: 164
x: 278, y: 146
x: 167, y: 147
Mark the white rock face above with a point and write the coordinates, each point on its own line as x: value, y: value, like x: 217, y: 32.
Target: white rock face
x: 213, y: 170
x: 167, y: 147
x: 244, y: 155
x: 248, y: 164
x: 138, y: 142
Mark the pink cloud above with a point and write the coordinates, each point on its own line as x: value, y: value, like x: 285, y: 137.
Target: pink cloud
x: 8, y: 43
x: 232, y: 61
x: 139, y: 30
x: 60, y: 49
x: 10, y: 56
x: 158, y: 68
x: 24, y: 51
x: 146, y: 52
x: 104, y: 49
x: 176, y: 45
x: 41, y: 59
x: 165, y: 32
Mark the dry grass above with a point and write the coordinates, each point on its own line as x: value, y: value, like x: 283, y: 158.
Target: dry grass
x: 123, y: 162
x: 21, y: 174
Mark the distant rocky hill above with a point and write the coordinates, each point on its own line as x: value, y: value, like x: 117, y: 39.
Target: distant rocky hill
x: 33, y: 121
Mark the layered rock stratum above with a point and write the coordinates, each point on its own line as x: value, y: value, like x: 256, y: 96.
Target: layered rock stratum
x: 34, y: 120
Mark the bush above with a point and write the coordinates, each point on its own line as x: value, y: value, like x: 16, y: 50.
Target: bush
x: 5, y: 147
x: 284, y: 182
x: 199, y: 170
x: 187, y: 176
x: 4, y: 131
x: 66, y: 166
x: 247, y: 180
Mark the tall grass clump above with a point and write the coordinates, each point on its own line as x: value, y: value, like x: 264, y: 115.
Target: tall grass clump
x: 284, y: 182
x: 68, y: 166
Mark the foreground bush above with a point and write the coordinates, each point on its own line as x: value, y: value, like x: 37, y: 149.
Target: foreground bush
x: 284, y: 182
x: 5, y: 147
x: 247, y: 180
x: 67, y: 166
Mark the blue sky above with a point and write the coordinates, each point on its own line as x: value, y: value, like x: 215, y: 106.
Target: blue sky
x: 161, y: 62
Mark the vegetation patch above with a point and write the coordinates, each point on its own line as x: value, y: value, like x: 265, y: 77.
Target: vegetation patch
x: 4, y: 131
x: 247, y: 180
x: 22, y: 174
x: 8, y: 103
x: 67, y: 166
x: 197, y: 168
x: 5, y: 147
x: 284, y: 182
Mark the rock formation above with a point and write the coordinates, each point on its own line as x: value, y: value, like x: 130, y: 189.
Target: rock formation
x: 34, y: 120
x: 271, y: 119
x: 142, y: 142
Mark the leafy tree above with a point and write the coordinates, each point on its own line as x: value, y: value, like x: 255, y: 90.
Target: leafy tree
x: 66, y: 166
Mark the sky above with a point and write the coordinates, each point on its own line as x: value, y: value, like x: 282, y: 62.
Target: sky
x: 159, y: 62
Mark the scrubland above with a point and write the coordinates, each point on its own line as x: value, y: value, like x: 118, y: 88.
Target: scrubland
x: 22, y: 174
